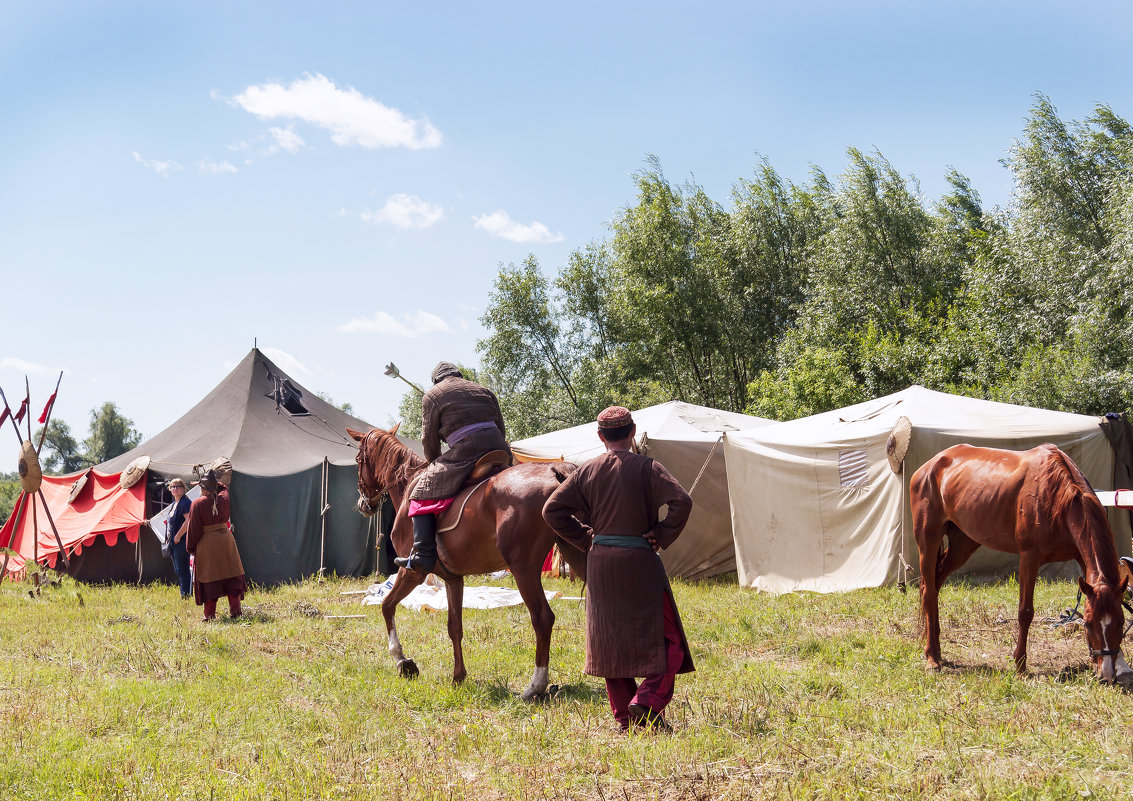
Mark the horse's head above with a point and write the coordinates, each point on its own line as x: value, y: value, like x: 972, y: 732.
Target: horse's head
x: 1105, y: 626
x: 372, y: 483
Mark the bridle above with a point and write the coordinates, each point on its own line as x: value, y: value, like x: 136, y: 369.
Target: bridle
x: 368, y: 505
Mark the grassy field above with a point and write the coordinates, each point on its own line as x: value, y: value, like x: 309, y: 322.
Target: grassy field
x: 122, y: 693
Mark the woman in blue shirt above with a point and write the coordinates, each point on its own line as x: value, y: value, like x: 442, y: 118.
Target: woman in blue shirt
x: 175, y: 526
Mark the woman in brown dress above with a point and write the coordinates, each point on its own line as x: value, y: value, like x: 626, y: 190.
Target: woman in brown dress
x: 218, y: 569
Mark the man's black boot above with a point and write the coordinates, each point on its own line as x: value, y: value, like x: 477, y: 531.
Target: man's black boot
x: 424, y: 556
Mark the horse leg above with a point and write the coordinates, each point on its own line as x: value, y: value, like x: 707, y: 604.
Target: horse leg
x: 960, y: 549
x: 404, y: 584
x: 928, y: 546
x: 454, y: 587
x: 1028, y: 572
x: 542, y: 620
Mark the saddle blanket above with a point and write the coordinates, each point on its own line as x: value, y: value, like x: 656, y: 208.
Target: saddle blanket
x: 431, y: 596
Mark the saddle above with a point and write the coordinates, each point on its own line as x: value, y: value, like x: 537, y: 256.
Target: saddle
x: 486, y: 466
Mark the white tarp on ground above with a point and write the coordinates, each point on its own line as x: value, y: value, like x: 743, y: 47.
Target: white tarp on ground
x: 686, y: 439
x: 805, y: 519
x: 432, y: 597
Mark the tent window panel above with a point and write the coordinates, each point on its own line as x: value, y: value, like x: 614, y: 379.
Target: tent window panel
x: 853, y: 468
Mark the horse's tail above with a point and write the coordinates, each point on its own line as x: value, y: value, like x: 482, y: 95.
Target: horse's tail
x: 562, y: 470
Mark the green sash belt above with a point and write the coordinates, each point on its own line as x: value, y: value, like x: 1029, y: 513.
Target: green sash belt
x: 622, y: 541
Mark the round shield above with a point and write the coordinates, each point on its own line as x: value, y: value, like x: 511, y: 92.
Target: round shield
x: 133, y: 472
x: 77, y: 487
x: 898, y: 443
x: 223, y: 469
x: 30, y: 474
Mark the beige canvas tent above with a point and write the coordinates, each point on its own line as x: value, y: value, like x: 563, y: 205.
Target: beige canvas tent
x: 816, y: 505
x: 686, y: 439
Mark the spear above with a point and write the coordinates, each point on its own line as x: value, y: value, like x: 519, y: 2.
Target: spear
x: 51, y: 520
x: 47, y: 417
x: 15, y: 425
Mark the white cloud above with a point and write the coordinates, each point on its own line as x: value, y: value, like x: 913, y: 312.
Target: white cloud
x: 162, y: 168
x: 503, y: 226
x: 29, y: 368
x: 286, y: 362
x: 414, y: 325
x: 286, y: 139
x: 211, y: 167
x: 351, y: 117
x: 405, y: 211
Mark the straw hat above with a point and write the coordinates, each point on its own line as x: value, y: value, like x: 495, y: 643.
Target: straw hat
x: 898, y: 443
x: 77, y: 487
x: 30, y: 474
x: 133, y: 472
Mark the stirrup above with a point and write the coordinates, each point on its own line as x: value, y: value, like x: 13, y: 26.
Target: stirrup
x: 415, y: 562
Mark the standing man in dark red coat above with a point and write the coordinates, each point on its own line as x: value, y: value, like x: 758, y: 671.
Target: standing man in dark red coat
x: 609, y: 506
x: 219, y: 571
x: 467, y: 417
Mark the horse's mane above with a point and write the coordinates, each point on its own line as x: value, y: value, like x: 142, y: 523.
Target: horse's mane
x: 393, y: 461
x: 1062, y: 484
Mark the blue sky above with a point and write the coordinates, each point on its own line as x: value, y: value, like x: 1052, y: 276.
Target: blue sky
x: 340, y: 184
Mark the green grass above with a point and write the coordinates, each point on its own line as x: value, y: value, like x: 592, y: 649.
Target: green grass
x: 127, y: 695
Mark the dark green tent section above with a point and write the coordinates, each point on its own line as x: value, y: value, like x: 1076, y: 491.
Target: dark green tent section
x: 294, y: 484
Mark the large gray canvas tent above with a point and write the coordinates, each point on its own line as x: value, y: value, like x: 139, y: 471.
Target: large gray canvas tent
x: 294, y: 484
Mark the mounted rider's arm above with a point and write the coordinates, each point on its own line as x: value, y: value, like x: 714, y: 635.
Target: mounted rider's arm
x: 430, y: 428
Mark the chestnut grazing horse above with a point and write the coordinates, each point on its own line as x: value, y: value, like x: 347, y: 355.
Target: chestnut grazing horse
x: 501, y: 526
x: 1034, y: 503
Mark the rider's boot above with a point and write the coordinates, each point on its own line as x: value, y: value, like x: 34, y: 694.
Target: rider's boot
x: 424, y: 556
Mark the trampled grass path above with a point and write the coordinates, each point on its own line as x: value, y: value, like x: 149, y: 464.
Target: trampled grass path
x: 122, y: 693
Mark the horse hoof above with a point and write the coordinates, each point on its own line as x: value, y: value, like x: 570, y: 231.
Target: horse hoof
x: 531, y: 696
x: 932, y: 666
x: 407, y: 668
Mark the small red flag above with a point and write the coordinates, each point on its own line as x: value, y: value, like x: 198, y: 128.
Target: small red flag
x: 46, y: 409
x: 19, y: 416
x: 5, y: 414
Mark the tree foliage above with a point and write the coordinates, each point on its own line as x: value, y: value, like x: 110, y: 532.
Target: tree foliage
x: 796, y: 299
x: 110, y: 435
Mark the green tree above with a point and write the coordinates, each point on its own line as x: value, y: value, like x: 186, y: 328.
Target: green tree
x: 10, y: 490
x: 110, y: 435
x: 60, y: 453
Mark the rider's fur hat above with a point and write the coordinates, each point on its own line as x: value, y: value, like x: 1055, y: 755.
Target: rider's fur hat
x: 445, y: 370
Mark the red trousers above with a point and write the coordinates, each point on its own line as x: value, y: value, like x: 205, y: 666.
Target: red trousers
x: 233, y: 607
x: 655, y: 691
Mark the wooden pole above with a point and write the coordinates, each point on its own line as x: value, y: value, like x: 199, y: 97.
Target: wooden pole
x: 27, y: 395
x: 58, y: 539
x: 21, y: 505
x: 15, y: 425
x: 35, y: 531
x: 47, y: 420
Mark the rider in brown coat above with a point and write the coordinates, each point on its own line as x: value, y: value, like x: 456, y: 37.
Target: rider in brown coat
x: 467, y: 417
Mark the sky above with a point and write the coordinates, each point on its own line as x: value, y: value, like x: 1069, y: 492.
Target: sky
x: 339, y: 183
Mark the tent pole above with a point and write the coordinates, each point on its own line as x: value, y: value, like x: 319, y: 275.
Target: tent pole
x: 51, y: 520
x: 323, y: 516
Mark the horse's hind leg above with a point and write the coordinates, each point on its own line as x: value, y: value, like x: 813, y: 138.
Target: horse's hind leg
x: 542, y: 620
x: 960, y: 549
x: 454, y: 588
x: 1028, y: 572
x: 928, y: 534
x: 404, y: 584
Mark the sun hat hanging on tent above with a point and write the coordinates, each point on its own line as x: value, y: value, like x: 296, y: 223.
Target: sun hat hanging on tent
x: 30, y: 474
x: 133, y: 472
x: 77, y: 487
x: 898, y: 443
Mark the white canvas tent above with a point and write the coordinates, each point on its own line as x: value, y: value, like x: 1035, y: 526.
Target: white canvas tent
x: 816, y: 506
x: 686, y: 439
